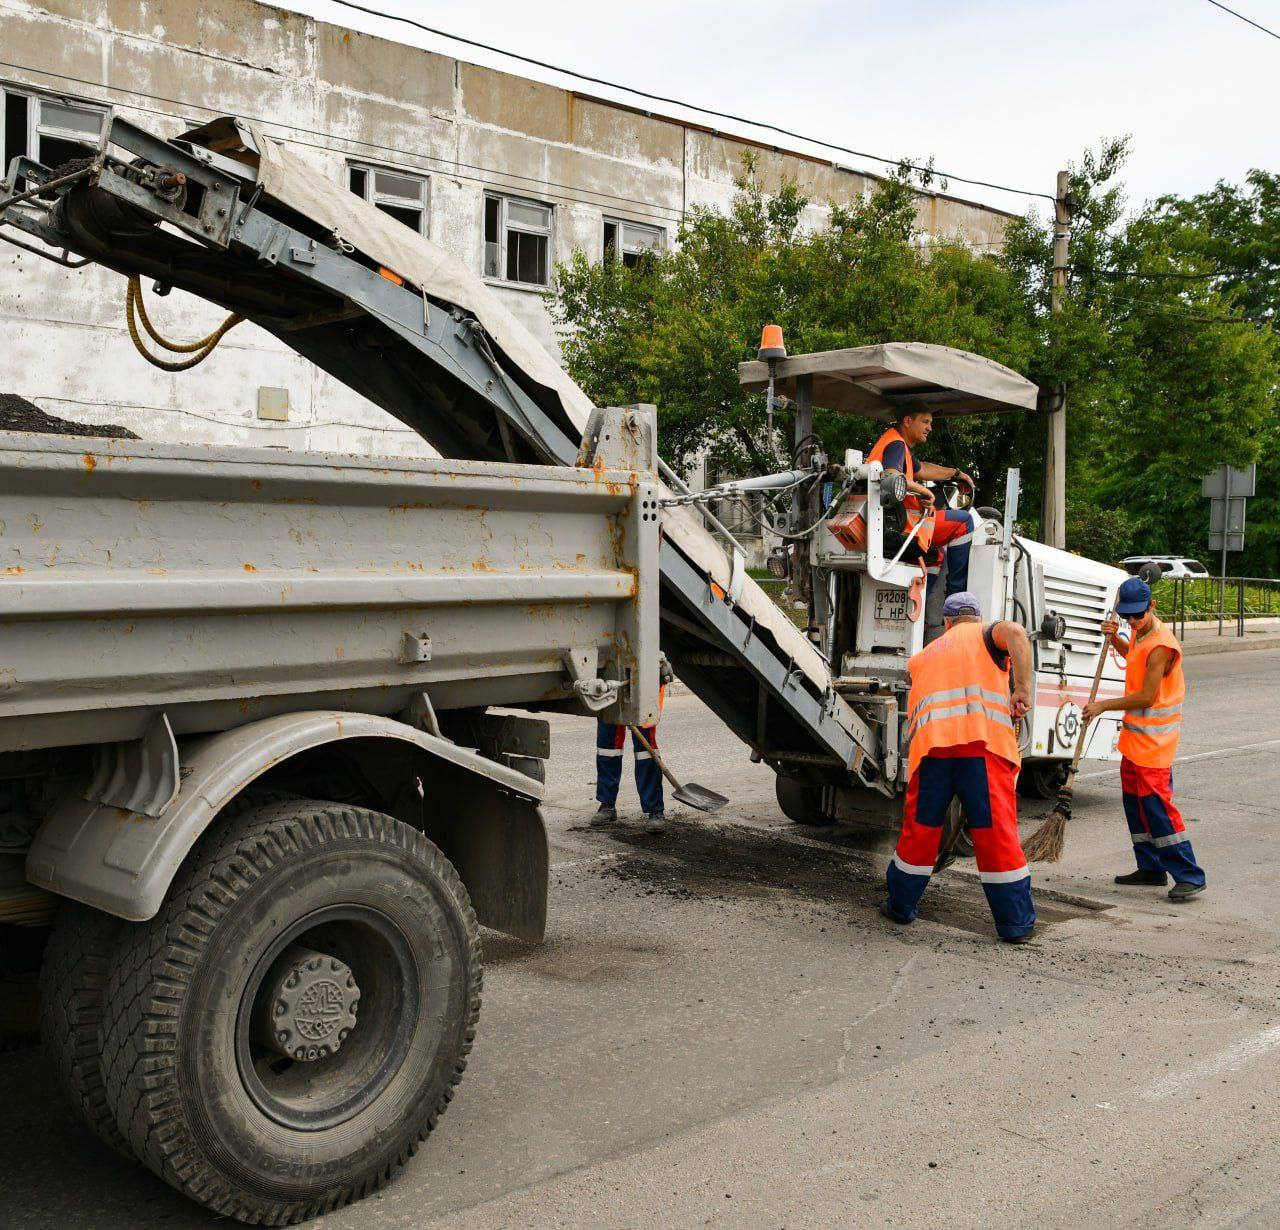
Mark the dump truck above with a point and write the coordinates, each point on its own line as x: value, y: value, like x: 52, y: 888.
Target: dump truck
x: 268, y: 736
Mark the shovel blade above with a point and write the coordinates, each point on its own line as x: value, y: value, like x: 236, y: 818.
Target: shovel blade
x: 699, y: 797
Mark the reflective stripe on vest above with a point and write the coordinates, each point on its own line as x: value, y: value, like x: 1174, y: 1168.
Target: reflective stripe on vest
x: 973, y: 706
x: 1149, y: 736
x: 959, y: 695
x: 996, y: 699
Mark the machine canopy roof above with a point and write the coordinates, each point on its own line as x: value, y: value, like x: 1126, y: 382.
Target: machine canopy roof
x: 881, y: 381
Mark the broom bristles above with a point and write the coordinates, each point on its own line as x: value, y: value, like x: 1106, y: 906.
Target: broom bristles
x: 1045, y: 845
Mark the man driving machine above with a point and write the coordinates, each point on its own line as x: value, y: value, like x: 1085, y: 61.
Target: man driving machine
x: 953, y: 527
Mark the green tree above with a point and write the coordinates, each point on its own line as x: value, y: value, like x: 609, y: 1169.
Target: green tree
x: 1230, y: 236
x: 1169, y: 371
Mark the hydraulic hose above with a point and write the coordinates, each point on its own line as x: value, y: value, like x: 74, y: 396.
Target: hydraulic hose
x: 135, y: 310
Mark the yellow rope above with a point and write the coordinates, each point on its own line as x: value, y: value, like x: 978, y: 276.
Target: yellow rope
x: 135, y: 310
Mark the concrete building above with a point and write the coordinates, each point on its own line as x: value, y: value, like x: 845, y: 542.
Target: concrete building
x: 511, y: 174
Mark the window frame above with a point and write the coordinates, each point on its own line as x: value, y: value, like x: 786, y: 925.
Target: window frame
x: 620, y: 252
x: 376, y: 199
x: 505, y: 226
x: 35, y: 130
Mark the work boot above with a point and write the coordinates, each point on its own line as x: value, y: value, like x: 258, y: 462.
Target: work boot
x: 887, y: 911
x: 655, y: 822
x: 604, y: 815
x: 1184, y: 891
x: 1154, y: 878
x: 1019, y: 939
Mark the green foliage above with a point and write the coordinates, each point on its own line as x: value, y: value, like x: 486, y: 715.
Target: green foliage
x: 1100, y: 533
x: 1170, y: 367
x: 1164, y: 342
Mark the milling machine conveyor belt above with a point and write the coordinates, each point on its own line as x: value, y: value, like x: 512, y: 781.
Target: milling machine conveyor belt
x: 257, y: 231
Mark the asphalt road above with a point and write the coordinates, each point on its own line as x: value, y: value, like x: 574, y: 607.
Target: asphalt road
x: 720, y: 1029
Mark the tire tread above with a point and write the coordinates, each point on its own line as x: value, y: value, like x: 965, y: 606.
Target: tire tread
x: 73, y: 984
x: 152, y: 969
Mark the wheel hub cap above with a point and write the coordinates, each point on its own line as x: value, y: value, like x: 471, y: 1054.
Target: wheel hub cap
x: 313, y: 998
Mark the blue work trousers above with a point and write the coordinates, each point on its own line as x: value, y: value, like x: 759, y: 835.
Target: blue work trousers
x: 610, y: 742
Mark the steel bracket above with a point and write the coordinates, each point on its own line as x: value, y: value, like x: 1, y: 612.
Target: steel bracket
x: 594, y: 692
x: 139, y: 775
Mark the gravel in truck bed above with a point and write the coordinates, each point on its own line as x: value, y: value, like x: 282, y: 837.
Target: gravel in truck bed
x: 19, y: 414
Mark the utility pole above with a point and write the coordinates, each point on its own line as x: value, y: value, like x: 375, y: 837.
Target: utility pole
x: 1054, y: 528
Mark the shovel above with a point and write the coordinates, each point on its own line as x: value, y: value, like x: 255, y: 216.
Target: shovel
x: 697, y: 797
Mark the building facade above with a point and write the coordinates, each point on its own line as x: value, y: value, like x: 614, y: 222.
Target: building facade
x: 512, y: 175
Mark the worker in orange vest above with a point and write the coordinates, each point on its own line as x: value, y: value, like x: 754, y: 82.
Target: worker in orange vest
x: 952, y: 528
x: 1154, y: 691
x: 962, y: 725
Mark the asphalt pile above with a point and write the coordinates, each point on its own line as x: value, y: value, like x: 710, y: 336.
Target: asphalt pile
x: 19, y: 414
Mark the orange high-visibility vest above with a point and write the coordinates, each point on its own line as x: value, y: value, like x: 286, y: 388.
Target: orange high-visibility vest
x: 1149, y: 736
x: 893, y: 436
x: 850, y: 527
x: 959, y: 695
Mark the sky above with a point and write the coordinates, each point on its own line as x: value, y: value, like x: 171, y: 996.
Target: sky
x: 1009, y: 91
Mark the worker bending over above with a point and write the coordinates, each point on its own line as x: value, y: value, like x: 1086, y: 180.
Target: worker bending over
x: 953, y: 528
x: 962, y: 726
x: 1154, y: 691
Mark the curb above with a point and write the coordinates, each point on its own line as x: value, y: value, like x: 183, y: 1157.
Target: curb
x: 1234, y: 644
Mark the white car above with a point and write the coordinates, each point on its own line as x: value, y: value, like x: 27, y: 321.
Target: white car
x: 1171, y: 566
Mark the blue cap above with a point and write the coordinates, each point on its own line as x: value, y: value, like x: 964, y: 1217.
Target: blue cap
x: 963, y: 603
x: 1134, y: 597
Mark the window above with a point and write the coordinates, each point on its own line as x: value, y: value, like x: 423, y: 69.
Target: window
x: 517, y: 240
x: 629, y: 241
x: 397, y: 193
x: 49, y: 130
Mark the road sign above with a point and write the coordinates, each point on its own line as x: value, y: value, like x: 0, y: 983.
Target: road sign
x: 1243, y: 481
x: 1228, y: 489
x: 1235, y: 542
x: 1227, y: 515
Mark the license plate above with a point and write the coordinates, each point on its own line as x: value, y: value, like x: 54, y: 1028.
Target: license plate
x: 891, y: 605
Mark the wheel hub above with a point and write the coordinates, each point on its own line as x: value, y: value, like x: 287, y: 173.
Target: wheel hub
x: 313, y: 999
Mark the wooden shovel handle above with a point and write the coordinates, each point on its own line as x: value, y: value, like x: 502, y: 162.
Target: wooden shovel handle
x: 1093, y: 695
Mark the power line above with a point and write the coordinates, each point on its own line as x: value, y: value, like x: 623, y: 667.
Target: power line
x: 1145, y: 274
x: 1191, y: 316
x: 643, y: 209
x: 1216, y: 5
x: 677, y: 102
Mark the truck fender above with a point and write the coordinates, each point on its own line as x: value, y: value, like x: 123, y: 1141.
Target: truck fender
x: 122, y: 861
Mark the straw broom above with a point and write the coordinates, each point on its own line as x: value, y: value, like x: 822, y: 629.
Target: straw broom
x: 1046, y: 843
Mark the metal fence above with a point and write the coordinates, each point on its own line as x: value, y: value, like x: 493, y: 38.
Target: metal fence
x: 1232, y: 601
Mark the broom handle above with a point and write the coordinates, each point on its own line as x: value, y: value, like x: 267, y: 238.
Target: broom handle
x: 653, y: 751
x: 1093, y: 695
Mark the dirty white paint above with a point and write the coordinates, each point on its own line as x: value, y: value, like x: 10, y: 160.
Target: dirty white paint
x: 337, y: 96
x: 1229, y: 1059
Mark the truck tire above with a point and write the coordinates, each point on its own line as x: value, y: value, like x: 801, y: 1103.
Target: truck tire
x: 73, y: 983
x: 291, y: 1025
x: 1042, y: 779
x: 799, y: 801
